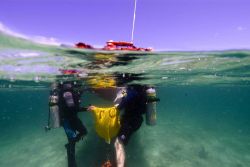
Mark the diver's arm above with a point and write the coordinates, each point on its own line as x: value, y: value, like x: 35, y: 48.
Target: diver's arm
x: 123, y: 103
x: 83, y: 109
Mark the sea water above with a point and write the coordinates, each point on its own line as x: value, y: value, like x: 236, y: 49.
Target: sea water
x: 202, y: 117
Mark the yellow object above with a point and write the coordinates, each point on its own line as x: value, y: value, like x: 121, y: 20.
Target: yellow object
x: 102, y: 81
x: 104, y: 58
x: 107, y: 122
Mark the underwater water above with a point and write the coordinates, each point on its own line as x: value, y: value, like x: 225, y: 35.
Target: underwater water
x: 202, y: 117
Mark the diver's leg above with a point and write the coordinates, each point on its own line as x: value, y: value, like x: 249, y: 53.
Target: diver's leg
x: 71, y: 154
x: 120, y: 153
x: 71, y: 135
x: 78, y: 125
x: 128, y: 126
x: 135, y: 122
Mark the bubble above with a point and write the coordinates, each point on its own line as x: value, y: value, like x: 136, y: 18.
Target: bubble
x: 164, y: 77
x: 12, y: 78
x: 82, y: 75
x: 37, y: 79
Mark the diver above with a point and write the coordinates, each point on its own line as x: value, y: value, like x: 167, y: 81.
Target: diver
x: 133, y: 102
x: 65, y: 101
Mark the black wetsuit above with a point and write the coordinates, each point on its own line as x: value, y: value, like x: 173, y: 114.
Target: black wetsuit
x: 69, y: 106
x: 134, y: 105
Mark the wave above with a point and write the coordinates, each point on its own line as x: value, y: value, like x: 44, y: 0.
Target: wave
x: 26, y: 60
x: 4, y: 30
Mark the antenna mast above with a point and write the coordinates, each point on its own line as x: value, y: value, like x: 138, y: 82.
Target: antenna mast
x: 133, y: 28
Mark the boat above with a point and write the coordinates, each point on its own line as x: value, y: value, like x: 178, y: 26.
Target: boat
x: 69, y: 71
x: 118, y: 45
x: 123, y: 45
x: 82, y: 45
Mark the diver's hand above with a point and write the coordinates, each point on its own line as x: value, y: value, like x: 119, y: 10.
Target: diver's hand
x: 83, y: 109
x: 91, y: 108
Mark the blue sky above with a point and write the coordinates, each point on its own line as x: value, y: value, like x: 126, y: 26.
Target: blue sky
x: 161, y: 24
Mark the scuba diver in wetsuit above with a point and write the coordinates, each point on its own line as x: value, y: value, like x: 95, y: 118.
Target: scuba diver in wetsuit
x: 133, y: 101
x: 67, y: 100
x: 133, y: 104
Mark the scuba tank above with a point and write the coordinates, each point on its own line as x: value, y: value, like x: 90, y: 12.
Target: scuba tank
x: 151, y: 106
x: 62, y: 96
x: 54, y: 114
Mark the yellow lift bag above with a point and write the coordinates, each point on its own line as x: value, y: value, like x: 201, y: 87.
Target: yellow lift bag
x: 107, y: 122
